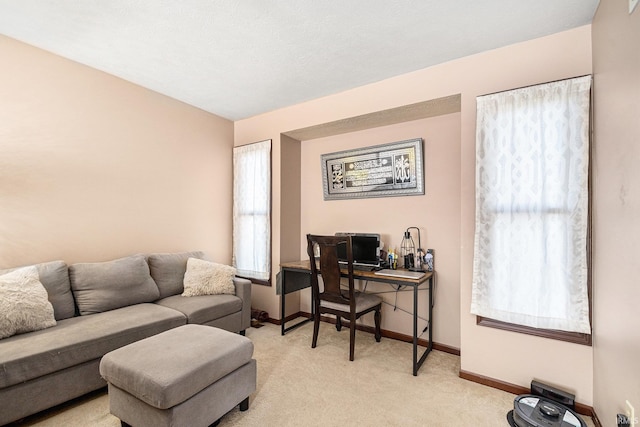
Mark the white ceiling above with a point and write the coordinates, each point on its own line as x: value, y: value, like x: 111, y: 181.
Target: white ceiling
x: 238, y: 58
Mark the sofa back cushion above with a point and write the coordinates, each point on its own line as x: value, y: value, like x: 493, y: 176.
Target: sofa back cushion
x: 103, y: 286
x: 54, y: 276
x: 168, y: 269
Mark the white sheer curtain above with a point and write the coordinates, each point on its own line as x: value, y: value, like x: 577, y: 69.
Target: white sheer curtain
x: 530, y: 252
x: 252, y: 210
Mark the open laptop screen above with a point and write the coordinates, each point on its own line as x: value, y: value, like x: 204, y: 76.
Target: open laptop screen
x: 365, y: 246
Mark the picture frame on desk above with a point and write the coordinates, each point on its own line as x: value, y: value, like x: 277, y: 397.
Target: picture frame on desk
x: 393, y: 169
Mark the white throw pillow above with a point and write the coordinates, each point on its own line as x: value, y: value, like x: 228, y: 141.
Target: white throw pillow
x: 208, y: 278
x: 24, y: 303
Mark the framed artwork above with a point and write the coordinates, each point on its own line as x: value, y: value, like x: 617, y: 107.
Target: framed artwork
x: 393, y: 169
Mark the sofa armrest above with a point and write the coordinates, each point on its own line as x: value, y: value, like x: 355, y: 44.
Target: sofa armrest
x: 243, y: 291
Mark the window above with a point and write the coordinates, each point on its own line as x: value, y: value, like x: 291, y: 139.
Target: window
x: 531, y: 247
x: 252, y: 211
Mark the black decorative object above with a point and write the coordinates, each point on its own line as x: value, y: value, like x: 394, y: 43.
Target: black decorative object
x: 413, y: 257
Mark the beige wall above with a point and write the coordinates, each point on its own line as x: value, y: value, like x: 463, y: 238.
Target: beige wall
x: 93, y: 167
x: 616, y: 66
x: 493, y: 353
x: 436, y: 213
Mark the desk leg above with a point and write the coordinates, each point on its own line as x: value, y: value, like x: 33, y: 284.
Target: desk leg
x: 297, y: 281
x: 282, y: 294
x: 415, y: 331
x: 418, y: 363
x: 430, y: 313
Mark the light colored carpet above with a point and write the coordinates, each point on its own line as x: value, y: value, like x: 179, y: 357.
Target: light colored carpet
x: 301, y: 386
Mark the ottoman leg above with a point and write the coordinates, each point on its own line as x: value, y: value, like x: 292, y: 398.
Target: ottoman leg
x: 244, y: 405
x: 123, y: 424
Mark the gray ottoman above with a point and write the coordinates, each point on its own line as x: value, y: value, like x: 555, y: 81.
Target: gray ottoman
x: 188, y: 376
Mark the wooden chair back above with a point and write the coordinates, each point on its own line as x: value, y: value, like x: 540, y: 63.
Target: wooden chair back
x: 329, y: 269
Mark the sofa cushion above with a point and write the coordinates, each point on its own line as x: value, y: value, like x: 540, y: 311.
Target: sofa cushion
x: 208, y: 278
x: 167, y: 269
x: 80, y: 339
x: 54, y: 276
x: 24, y: 304
x: 205, y: 308
x: 104, y: 286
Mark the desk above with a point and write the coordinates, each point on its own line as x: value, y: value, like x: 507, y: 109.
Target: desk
x: 297, y: 275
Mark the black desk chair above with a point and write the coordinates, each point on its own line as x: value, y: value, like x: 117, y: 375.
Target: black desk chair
x: 349, y: 304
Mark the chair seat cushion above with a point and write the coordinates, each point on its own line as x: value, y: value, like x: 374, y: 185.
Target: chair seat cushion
x: 364, y: 302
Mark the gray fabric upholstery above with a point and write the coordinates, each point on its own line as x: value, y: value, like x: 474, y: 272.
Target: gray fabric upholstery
x: 169, y: 368
x: 203, y: 308
x: 80, y: 339
x: 54, y: 276
x: 243, y: 290
x: 167, y: 269
x: 221, y: 309
x: 103, y: 286
x: 23, y: 399
x: 200, y: 410
x: 41, y: 369
x: 228, y: 323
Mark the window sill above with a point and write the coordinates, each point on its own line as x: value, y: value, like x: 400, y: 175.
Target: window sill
x: 573, y: 337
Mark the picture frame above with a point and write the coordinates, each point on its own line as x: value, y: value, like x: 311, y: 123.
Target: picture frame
x: 386, y: 170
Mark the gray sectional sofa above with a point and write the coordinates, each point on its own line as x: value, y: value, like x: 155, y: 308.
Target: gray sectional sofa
x: 99, y: 307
